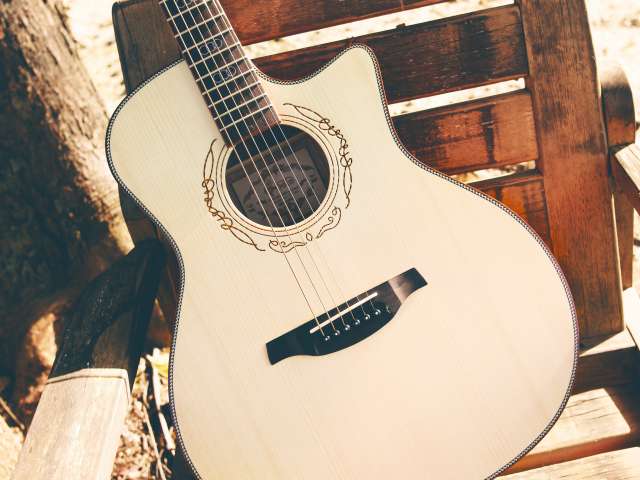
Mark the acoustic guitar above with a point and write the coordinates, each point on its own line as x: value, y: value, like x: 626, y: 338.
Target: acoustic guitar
x: 344, y: 310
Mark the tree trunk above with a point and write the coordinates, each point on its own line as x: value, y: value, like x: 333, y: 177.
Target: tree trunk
x: 60, y: 222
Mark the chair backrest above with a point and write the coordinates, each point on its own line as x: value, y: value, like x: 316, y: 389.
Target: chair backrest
x: 555, y: 122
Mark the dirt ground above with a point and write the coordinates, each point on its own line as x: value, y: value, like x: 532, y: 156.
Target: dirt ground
x: 616, y: 34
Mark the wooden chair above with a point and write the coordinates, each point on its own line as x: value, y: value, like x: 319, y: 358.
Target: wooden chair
x: 574, y: 125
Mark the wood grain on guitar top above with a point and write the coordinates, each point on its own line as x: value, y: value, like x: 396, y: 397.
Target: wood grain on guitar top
x: 471, y: 370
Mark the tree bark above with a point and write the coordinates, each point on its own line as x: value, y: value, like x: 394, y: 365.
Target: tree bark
x: 60, y: 222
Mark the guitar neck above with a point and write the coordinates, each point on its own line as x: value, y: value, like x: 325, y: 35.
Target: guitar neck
x: 226, y: 77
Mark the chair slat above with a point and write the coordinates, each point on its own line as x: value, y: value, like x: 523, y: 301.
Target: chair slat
x: 428, y: 58
x: 615, y: 465
x: 573, y: 158
x: 256, y: 21
x: 479, y: 134
x: 144, y: 39
x: 524, y: 194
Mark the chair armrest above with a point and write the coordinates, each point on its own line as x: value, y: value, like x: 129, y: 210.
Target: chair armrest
x: 625, y: 166
x: 620, y: 123
x: 76, y: 429
x: 617, y: 106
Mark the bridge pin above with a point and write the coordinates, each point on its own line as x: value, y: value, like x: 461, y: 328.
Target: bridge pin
x: 347, y: 328
x: 357, y: 322
x: 377, y: 312
x: 367, y: 316
x: 327, y: 338
x: 388, y: 309
x: 336, y: 333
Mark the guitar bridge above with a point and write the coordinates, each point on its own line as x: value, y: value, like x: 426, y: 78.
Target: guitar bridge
x: 348, y: 323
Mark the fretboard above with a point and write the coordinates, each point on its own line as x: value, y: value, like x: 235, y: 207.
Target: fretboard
x: 226, y: 77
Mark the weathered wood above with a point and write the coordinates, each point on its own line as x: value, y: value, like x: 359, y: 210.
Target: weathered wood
x: 612, y: 361
x: 76, y: 429
x: 626, y: 173
x: 524, y: 193
x: 617, y: 106
x: 573, y: 158
x: 144, y: 39
x: 485, y: 133
x: 258, y: 21
x: 626, y: 170
x: 428, y: 58
x: 619, y: 117
x: 593, y: 422
x: 632, y: 313
x: 10, y: 444
x: 77, y: 426
x: 617, y: 465
x: 602, y: 414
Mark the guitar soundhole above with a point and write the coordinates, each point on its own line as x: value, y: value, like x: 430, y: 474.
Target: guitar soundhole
x: 279, y: 177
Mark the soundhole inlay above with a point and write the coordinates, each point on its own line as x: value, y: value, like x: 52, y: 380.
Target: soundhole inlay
x: 278, y: 178
x: 283, y: 188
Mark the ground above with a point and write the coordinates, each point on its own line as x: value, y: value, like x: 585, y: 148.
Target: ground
x: 616, y: 34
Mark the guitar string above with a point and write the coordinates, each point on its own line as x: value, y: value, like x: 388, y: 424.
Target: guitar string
x: 214, y: 18
x: 229, y: 71
x: 188, y: 52
x: 243, y: 121
x: 323, y: 259
x: 313, y: 190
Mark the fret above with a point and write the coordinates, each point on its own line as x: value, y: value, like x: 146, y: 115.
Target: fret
x: 244, y: 130
x: 224, y: 74
x: 217, y: 52
x: 228, y: 97
x: 237, y: 92
x: 181, y: 14
x: 197, y: 39
x: 225, y: 82
x: 201, y: 24
x: 217, y: 73
x: 241, y: 119
x: 201, y: 43
x: 223, y: 64
x: 242, y: 105
x: 172, y: 6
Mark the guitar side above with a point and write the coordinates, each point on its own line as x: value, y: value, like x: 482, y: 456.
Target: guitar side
x: 476, y: 364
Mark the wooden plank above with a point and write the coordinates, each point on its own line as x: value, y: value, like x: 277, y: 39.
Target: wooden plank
x: 632, y: 313
x: 617, y: 465
x: 427, y: 58
x: 603, y: 414
x: 617, y: 106
x: 612, y: 361
x: 258, y: 21
x: 144, y: 39
x: 77, y: 426
x: 524, y: 194
x: 593, y: 422
x: 626, y: 170
x: 430, y: 58
x: 619, y: 117
x: 573, y: 158
x: 479, y: 134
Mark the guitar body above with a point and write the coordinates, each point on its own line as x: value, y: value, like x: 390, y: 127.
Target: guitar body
x: 471, y: 371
